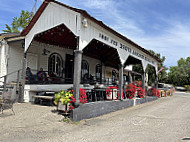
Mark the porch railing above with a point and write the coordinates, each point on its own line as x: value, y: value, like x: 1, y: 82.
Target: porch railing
x: 104, y: 80
x: 46, y: 78
x: 9, y: 81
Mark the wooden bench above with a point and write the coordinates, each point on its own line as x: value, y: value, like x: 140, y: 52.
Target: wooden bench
x: 42, y: 98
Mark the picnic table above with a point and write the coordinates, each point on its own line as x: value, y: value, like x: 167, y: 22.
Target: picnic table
x: 46, y: 97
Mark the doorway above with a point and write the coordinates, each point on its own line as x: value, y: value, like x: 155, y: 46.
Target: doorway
x: 55, y: 65
x: 69, y: 68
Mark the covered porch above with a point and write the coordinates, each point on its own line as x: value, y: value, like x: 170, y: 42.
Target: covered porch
x: 53, y: 51
x: 100, y: 64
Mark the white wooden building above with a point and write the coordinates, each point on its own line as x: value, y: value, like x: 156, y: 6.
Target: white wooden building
x: 60, y: 39
x: 11, y: 63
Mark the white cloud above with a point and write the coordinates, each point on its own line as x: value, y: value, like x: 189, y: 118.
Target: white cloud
x: 170, y: 37
x: 172, y: 41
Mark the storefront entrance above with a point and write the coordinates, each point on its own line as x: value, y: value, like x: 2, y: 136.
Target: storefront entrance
x: 69, y: 68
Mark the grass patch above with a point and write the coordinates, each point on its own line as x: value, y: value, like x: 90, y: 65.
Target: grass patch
x: 69, y: 121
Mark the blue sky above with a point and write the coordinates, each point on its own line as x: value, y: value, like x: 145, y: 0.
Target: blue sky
x: 159, y: 25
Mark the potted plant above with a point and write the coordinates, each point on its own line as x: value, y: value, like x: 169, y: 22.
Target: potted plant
x: 82, y: 96
x: 62, y: 100
x: 155, y: 92
x: 140, y: 92
x: 130, y: 91
x: 111, y: 93
x: 65, y: 101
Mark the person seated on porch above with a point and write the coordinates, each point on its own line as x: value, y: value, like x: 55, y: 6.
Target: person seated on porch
x: 41, y: 75
x: 85, y: 78
x: 29, y: 74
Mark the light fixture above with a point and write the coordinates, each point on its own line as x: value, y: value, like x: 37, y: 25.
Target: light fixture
x: 45, y: 52
x: 85, y: 23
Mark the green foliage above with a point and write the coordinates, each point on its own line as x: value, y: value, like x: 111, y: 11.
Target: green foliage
x: 8, y: 29
x: 151, y: 74
x: 19, y: 23
x: 63, y: 97
x: 180, y: 74
x: 187, y: 87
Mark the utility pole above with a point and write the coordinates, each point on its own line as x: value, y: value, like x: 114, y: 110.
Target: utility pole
x: 35, y: 6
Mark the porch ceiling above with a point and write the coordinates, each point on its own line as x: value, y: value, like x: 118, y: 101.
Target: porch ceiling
x: 132, y: 61
x: 98, y: 50
x: 58, y: 36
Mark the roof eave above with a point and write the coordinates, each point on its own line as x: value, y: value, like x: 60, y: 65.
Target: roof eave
x: 85, y: 14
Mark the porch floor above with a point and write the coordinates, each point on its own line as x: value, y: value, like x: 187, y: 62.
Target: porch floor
x: 51, y: 87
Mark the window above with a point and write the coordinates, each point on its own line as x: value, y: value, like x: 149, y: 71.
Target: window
x: 55, y: 65
x: 113, y: 76
x: 98, y: 73
x: 84, y: 70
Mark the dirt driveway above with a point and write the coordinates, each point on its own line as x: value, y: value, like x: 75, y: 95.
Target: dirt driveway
x: 167, y: 119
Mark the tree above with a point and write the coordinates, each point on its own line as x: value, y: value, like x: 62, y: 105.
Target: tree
x: 162, y: 76
x: 180, y: 74
x: 19, y: 23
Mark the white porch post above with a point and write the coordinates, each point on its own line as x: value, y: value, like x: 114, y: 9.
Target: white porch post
x: 156, y: 83
x: 144, y: 65
x: 77, y: 74
x: 143, y: 82
x: 130, y: 78
x: 21, y: 95
x: 120, y: 81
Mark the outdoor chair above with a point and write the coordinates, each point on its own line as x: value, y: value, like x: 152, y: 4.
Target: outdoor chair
x: 6, y: 102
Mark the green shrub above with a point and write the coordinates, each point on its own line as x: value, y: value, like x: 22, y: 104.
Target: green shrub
x: 187, y: 87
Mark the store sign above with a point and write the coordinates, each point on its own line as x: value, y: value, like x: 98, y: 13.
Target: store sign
x: 124, y: 47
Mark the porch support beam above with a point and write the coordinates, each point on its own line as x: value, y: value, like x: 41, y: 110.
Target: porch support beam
x: 130, y: 78
x: 156, y: 83
x: 21, y: 95
x: 77, y: 74
x: 120, y: 81
x: 143, y: 82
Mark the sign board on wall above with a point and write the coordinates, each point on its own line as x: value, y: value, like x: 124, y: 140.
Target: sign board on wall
x: 125, y: 48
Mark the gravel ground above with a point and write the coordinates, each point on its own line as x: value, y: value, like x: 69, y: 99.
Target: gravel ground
x: 164, y: 120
